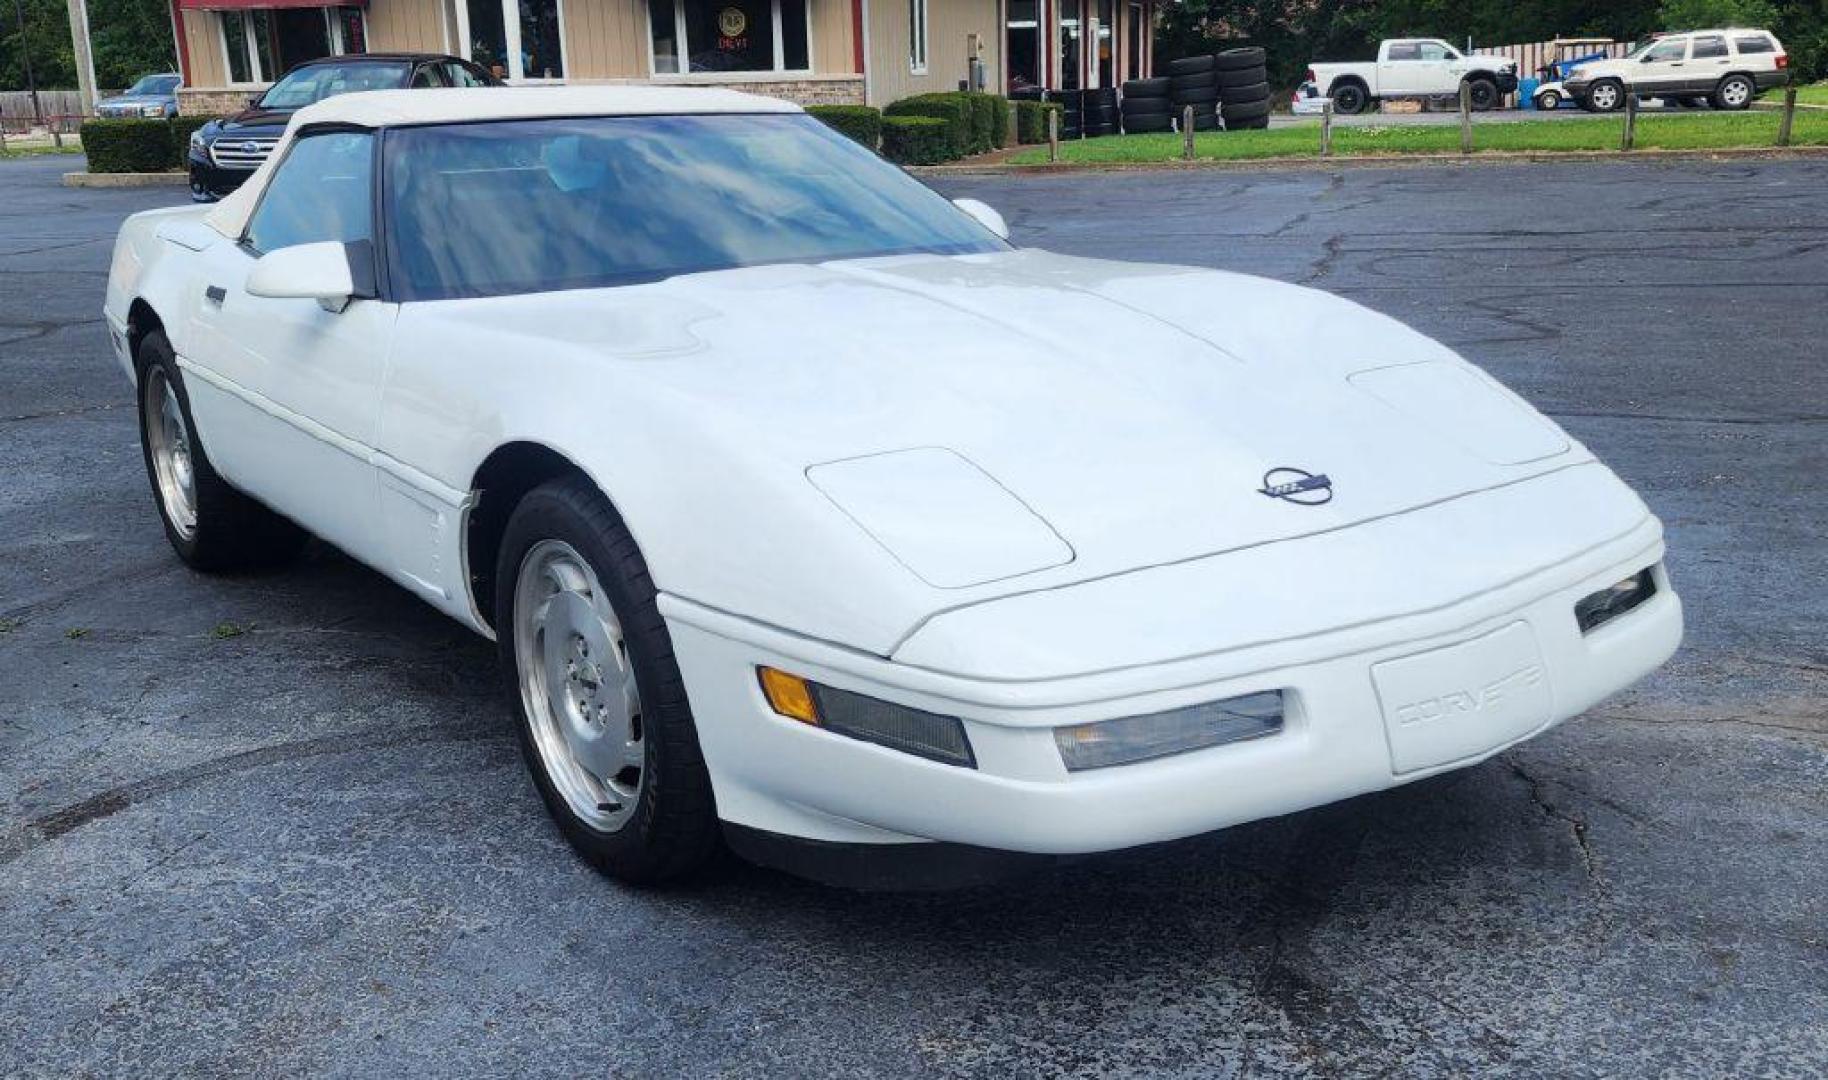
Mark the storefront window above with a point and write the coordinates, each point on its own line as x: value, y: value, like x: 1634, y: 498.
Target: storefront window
x: 262, y: 44
x: 1069, y: 44
x: 1023, y: 44
x: 917, y: 36
x: 1107, y: 58
x: 715, y: 36
x: 518, y: 42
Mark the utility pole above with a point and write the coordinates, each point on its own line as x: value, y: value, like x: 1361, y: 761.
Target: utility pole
x: 85, y: 56
x: 25, y: 53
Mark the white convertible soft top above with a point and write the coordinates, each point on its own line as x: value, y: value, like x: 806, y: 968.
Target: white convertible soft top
x: 393, y: 108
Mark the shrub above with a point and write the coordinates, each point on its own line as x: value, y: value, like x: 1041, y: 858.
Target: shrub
x: 990, y: 122
x: 181, y: 127
x: 127, y: 146
x: 954, y: 108
x: 859, y: 122
x: 1031, y: 120
x: 917, y: 140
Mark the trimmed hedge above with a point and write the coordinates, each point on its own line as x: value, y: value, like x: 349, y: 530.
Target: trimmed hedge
x: 917, y: 140
x: 954, y: 109
x: 127, y: 146
x: 992, y: 120
x: 181, y: 127
x: 1031, y: 120
x: 139, y: 145
x: 859, y: 122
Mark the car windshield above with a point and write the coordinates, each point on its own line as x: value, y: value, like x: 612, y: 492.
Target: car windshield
x: 155, y: 85
x: 487, y: 209
x: 315, y: 83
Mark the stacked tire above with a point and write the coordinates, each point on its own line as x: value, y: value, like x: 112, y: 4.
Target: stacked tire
x: 1146, y: 106
x: 1193, y: 81
x: 1100, y: 111
x: 1072, y: 115
x: 1242, y: 76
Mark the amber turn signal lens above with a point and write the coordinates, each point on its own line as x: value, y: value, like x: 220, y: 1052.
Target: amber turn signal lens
x: 789, y: 695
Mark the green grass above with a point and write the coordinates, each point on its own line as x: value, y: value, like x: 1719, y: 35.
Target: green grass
x: 1706, y: 132
x: 14, y: 150
x: 1816, y: 94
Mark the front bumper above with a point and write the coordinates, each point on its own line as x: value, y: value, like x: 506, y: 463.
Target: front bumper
x: 1339, y: 738
x: 206, y: 177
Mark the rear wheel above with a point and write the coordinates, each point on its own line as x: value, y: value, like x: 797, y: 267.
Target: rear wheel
x: 603, y: 718
x: 1734, y: 93
x: 1350, y: 99
x: 210, y: 525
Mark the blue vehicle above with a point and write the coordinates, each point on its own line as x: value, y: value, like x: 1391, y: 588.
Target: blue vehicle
x: 153, y: 96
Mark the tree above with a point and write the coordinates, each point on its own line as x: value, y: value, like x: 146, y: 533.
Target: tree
x: 1714, y: 14
x: 47, y: 35
x: 130, y: 38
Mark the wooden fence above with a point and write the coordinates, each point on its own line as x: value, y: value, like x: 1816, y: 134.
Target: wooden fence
x: 16, y: 107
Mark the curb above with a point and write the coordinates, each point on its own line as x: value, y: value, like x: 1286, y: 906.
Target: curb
x: 125, y: 179
x: 1315, y: 163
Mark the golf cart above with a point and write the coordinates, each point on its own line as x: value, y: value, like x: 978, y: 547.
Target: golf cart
x: 1570, y: 53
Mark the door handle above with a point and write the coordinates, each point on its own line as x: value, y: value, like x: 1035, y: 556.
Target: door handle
x: 215, y: 294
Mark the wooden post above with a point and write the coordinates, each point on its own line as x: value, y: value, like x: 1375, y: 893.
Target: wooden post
x: 1788, y: 118
x: 1466, y: 117
x: 1326, y: 127
x: 1053, y: 135
x: 1187, y: 133
x: 1631, y: 121
x: 84, y: 55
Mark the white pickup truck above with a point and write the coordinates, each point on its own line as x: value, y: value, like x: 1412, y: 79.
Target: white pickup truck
x: 1411, y: 68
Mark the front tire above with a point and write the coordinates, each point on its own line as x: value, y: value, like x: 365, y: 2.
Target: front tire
x: 601, y: 706
x: 1607, y: 96
x: 1484, y: 94
x: 211, y: 526
x: 1735, y: 93
x: 1548, y: 101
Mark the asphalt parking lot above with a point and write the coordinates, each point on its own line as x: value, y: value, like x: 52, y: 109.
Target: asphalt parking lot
x: 275, y: 825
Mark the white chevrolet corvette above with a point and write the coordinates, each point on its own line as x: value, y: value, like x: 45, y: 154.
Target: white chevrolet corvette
x: 809, y: 513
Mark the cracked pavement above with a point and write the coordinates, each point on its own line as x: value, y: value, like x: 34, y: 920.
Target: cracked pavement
x: 278, y: 824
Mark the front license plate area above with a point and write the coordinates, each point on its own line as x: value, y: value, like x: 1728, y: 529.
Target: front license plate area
x: 1463, y: 700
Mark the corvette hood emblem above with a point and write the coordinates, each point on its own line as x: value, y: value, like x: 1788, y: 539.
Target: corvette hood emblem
x: 1297, y: 486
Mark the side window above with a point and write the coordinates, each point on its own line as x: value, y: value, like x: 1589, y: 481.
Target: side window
x: 1432, y: 51
x: 1405, y: 50
x: 1668, y: 50
x: 1706, y: 47
x: 426, y: 77
x: 458, y: 75
x: 1754, y: 44
x: 323, y: 190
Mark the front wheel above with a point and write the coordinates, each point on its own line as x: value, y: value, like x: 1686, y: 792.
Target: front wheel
x: 1734, y: 93
x: 604, y: 722
x: 1548, y: 101
x: 1608, y: 96
x: 1483, y: 94
x: 210, y: 525
x: 1350, y: 99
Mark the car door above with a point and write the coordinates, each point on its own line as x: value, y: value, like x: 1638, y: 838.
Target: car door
x: 1398, y: 70
x: 1708, y: 60
x: 286, y: 394
x: 1663, y: 69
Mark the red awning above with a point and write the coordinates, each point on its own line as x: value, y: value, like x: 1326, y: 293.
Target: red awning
x: 242, y: 5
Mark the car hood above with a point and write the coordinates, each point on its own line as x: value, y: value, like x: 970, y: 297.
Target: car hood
x: 256, y: 121
x: 136, y: 99
x: 1144, y: 414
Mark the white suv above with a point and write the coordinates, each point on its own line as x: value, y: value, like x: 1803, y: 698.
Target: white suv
x: 1726, y: 68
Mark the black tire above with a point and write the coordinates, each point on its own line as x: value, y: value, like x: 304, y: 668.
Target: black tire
x: 230, y: 531
x: 673, y: 828
x: 1350, y: 99
x: 199, y: 188
x: 1734, y: 93
x: 1607, y: 95
x: 1146, y: 107
x: 1182, y: 83
x: 1484, y: 94
x: 1548, y: 101
x: 1203, y: 96
x: 1148, y: 122
x: 1146, y: 88
x: 1104, y: 95
x: 1245, y: 95
x: 1251, y: 111
x: 1190, y: 65
x: 1241, y: 77
x: 1242, y: 59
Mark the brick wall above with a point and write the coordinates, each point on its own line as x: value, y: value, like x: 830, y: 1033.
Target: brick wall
x: 208, y: 101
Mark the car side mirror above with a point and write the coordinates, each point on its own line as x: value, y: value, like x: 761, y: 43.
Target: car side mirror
x: 325, y: 272
x: 985, y: 216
